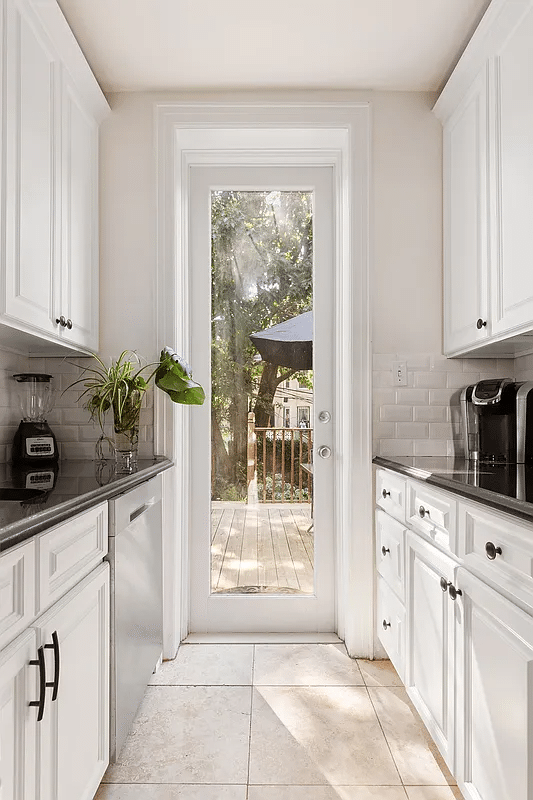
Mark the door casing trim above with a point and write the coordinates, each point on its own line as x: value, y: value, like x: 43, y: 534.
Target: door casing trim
x: 327, y: 133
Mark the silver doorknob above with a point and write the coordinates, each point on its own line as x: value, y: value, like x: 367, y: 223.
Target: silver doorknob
x: 324, y: 451
x: 324, y: 416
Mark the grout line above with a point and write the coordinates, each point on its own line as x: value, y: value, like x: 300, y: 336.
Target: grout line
x: 250, y: 731
x: 386, y: 739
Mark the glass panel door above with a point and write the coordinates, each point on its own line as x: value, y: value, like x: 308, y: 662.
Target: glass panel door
x: 261, y: 253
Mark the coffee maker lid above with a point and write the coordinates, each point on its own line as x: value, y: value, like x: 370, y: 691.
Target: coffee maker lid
x: 489, y: 392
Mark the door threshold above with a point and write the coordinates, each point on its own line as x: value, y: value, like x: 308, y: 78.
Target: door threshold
x: 262, y: 638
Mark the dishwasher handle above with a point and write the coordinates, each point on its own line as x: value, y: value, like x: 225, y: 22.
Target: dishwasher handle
x: 141, y: 509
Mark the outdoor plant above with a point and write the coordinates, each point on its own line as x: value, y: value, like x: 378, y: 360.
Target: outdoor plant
x: 121, y: 386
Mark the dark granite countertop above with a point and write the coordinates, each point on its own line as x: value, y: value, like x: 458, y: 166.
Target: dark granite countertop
x: 67, y: 489
x: 506, y: 487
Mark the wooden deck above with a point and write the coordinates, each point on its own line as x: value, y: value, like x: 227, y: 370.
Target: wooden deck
x: 264, y: 545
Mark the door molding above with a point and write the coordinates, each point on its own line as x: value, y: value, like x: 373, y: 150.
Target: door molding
x: 323, y: 133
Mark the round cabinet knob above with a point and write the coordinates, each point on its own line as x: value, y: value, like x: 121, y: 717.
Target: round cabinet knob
x: 384, y: 550
x: 324, y: 451
x: 423, y: 512
x: 444, y: 584
x: 69, y: 324
x: 324, y: 416
x: 61, y: 321
x: 385, y: 624
x: 453, y: 591
x: 385, y: 494
x: 481, y: 323
x: 492, y: 551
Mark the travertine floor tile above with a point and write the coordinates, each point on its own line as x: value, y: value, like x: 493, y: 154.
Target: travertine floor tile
x: 146, y: 791
x: 378, y: 673
x: 415, y: 754
x: 207, y: 665
x: 318, y: 735
x: 187, y: 734
x: 326, y: 793
x: 305, y: 665
x: 433, y: 793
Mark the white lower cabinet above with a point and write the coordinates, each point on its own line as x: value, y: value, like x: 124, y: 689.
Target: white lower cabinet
x: 57, y: 748
x: 494, y: 678
x: 429, y: 674
x: 74, y: 734
x: 18, y: 688
x: 463, y: 641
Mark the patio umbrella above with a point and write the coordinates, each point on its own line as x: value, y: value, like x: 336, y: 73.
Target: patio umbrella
x: 289, y: 344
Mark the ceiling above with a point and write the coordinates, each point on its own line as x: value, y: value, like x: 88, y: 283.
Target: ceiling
x: 149, y: 45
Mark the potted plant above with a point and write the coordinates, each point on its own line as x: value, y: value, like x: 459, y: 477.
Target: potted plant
x: 120, y: 388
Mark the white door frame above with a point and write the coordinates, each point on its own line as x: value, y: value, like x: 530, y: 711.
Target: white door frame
x: 340, y: 135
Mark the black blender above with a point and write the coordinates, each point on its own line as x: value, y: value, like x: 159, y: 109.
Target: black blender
x: 34, y: 443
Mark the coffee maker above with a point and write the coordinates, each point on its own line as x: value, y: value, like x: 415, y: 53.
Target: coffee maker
x: 497, y: 419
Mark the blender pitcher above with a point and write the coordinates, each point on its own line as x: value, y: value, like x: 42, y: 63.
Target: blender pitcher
x: 34, y: 442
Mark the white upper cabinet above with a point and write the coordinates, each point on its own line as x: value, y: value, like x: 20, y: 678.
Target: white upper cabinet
x: 465, y: 157
x: 487, y: 113
x: 51, y: 106
x: 512, y: 196
x: 31, y: 165
x: 79, y: 246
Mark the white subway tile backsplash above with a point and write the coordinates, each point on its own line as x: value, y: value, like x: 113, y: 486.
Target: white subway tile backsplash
x: 430, y: 447
x: 396, y: 413
x: 384, y: 397
x: 384, y: 430
x: 383, y: 378
x: 396, y: 447
x: 426, y: 413
x: 458, y: 380
x: 430, y: 380
x: 414, y: 397
x: 412, y: 430
x: 443, y: 397
x: 442, y: 364
x: 431, y: 413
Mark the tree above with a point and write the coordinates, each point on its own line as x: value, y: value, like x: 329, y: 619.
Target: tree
x: 262, y: 273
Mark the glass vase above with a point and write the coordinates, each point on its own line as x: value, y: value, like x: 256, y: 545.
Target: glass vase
x: 126, y: 438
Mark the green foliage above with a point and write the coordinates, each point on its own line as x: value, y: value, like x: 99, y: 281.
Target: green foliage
x: 262, y: 274
x: 121, y: 386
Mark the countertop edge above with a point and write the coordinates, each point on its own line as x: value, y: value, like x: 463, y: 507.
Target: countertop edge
x: 22, y: 530
x: 508, y: 505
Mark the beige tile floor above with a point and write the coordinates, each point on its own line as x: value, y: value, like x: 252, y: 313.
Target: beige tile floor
x: 276, y: 722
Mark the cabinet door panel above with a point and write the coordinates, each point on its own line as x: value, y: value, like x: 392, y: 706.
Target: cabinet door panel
x: 495, y: 671
x: 18, y: 686
x: 429, y: 674
x: 31, y: 165
x: 513, y: 177
x: 74, y: 740
x: 465, y: 220
x: 80, y: 222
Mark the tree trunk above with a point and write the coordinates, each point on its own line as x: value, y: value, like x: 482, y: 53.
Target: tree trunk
x: 220, y: 460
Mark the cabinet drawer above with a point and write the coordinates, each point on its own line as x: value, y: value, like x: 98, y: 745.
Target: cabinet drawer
x: 390, y: 493
x: 432, y: 513
x: 17, y: 590
x: 391, y: 625
x: 390, y: 538
x: 69, y: 552
x: 482, y: 535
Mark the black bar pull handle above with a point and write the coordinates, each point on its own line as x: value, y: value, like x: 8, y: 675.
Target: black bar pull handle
x: 57, y: 664
x: 42, y: 683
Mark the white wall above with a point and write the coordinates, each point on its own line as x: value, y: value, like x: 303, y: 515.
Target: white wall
x: 406, y: 206
x: 407, y: 225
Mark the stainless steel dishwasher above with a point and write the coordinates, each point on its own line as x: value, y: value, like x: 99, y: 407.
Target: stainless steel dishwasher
x: 135, y: 544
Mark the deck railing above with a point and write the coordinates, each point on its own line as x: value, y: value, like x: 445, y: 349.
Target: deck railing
x: 279, y: 462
